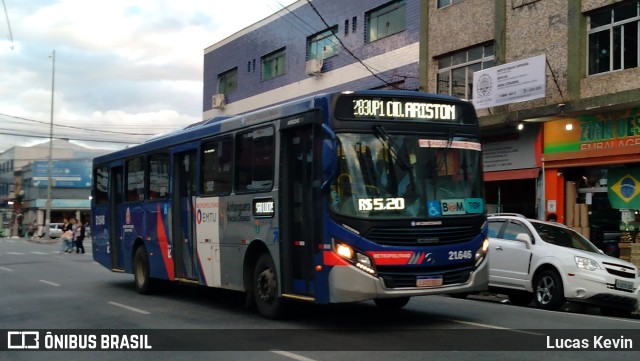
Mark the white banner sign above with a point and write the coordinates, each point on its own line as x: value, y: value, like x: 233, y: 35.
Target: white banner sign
x: 514, y: 82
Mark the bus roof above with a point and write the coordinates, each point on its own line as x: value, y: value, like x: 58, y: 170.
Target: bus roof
x: 222, y: 124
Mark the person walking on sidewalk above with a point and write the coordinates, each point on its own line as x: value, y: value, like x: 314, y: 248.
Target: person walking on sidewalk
x: 78, y: 236
x: 67, y: 236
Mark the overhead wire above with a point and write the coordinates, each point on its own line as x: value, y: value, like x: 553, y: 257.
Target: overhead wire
x: 367, y: 67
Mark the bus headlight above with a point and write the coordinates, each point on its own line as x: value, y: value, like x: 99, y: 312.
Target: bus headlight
x: 481, y: 253
x: 360, y: 260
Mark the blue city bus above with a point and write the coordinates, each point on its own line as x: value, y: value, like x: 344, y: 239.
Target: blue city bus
x: 341, y: 197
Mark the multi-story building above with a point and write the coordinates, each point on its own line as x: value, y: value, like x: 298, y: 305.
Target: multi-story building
x: 573, y: 151
x: 24, y: 176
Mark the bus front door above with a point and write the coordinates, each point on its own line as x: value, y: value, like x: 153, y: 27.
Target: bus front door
x: 299, y: 210
x: 182, y: 233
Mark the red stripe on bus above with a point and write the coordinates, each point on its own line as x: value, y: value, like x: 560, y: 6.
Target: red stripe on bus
x: 329, y: 258
x: 389, y: 258
x: 164, y: 246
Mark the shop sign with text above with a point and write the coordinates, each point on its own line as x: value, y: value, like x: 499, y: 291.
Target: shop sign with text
x: 617, y: 130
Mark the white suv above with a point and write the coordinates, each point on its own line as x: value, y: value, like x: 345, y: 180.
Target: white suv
x: 555, y: 264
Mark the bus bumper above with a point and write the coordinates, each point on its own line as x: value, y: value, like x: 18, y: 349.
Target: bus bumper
x: 349, y: 284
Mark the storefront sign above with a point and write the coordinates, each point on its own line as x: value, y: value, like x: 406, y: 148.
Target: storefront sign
x: 513, y: 82
x: 624, y: 188
x: 618, y: 130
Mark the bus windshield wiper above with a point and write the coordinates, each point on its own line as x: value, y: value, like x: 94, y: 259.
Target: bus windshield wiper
x: 384, y: 136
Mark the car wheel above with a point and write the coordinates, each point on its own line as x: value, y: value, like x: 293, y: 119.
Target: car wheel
x: 548, y: 290
x: 392, y: 303
x: 520, y: 298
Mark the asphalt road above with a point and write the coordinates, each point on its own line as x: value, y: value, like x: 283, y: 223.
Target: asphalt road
x: 41, y: 289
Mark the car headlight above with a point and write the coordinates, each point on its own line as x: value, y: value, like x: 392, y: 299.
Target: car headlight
x: 586, y: 263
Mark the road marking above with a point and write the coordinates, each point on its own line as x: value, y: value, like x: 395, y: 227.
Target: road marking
x: 129, y: 308
x: 6, y: 269
x: 50, y: 283
x: 292, y: 355
x: 493, y: 327
x: 36, y: 252
x: 15, y: 253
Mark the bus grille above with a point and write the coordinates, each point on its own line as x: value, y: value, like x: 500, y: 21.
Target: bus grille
x: 422, y: 236
x: 400, y: 277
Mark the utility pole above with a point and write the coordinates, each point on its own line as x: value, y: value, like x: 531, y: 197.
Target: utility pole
x: 47, y: 219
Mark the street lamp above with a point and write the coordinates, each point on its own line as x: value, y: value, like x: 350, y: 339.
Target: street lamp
x: 47, y: 219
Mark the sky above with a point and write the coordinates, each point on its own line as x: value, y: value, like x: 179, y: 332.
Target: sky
x: 123, y: 70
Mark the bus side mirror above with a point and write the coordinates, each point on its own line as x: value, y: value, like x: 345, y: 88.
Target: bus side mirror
x: 329, y: 157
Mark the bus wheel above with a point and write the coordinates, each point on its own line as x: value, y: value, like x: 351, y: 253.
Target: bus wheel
x: 392, y: 303
x: 265, y: 288
x: 144, y: 283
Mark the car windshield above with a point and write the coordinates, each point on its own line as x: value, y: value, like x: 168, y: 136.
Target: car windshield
x: 385, y: 176
x: 564, y: 237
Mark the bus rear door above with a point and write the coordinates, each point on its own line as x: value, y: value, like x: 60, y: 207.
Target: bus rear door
x: 115, y: 225
x: 182, y: 233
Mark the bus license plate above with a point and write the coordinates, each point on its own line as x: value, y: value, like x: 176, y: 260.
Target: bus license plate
x: 429, y: 281
x: 624, y: 285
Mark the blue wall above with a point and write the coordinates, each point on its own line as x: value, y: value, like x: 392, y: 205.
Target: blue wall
x: 291, y: 30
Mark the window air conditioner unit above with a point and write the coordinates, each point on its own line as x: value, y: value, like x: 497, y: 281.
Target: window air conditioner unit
x: 218, y: 101
x: 314, y: 67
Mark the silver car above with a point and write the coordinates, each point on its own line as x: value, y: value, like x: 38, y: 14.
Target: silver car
x: 55, y: 230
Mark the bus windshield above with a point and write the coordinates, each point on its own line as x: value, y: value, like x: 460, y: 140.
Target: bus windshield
x: 390, y: 176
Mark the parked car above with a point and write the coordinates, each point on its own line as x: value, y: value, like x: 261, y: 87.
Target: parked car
x: 552, y: 263
x: 55, y: 230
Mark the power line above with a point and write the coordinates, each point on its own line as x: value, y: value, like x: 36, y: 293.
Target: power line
x: 97, y: 140
x: 349, y: 50
x: 78, y: 128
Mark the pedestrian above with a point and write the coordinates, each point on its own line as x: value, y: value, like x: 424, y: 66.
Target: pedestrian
x: 79, y: 236
x: 67, y: 236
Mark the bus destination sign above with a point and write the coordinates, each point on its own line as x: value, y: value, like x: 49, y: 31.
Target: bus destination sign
x: 375, y: 108
x: 354, y: 107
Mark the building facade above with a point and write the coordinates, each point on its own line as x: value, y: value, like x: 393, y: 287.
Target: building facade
x: 573, y: 152
x: 24, y: 176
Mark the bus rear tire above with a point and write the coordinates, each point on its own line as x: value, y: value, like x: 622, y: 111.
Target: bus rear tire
x: 265, y: 288
x: 392, y: 303
x: 144, y: 283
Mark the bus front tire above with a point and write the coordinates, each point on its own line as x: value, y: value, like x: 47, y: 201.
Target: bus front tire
x: 265, y: 288
x: 392, y: 303
x: 144, y: 283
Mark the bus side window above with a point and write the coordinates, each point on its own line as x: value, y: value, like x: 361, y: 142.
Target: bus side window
x: 216, y: 166
x: 135, y: 177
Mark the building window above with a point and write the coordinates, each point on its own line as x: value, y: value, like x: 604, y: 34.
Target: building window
x: 386, y: 20
x: 323, y: 45
x: 455, y: 71
x: 217, y: 158
x: 445, y: 3
x: 273, y: 64
x: 614, y: 38
x: 354, y: 24
x: 346, y: 27
x: 228, y: 81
